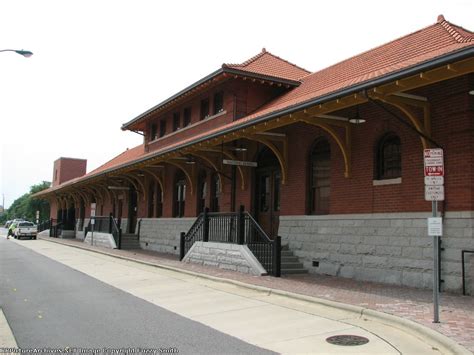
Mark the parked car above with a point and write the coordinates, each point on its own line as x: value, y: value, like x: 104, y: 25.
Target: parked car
x: 25, y: 229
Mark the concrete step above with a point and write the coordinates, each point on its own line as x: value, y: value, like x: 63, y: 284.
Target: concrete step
x: 293, y: 271
x: 296, y: 265
x: 289, y: 259
x: 287, y: 253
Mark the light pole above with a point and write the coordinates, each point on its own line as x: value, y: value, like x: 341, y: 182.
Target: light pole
x: 22, y: 52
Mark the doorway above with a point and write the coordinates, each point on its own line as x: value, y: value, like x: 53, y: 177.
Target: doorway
x: 267, y: 192
x: 132, y: 210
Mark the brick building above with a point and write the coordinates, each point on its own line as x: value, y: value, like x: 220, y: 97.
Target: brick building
x: 331, y: 161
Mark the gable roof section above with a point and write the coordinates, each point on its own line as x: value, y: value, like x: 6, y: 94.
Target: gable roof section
x: 268, y: 64
x: 264, y: 66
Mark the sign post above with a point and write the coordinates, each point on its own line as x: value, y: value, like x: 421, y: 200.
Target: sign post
x: 93, y: 205
x: 37, y: 216
x: 434, y: 192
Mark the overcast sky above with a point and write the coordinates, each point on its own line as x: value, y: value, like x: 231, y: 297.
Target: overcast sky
x: 98, y: 64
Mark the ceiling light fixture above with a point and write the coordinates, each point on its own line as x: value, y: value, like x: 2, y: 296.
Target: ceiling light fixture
x: 357, y: 119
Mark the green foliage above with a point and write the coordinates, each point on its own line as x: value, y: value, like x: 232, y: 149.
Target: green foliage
x: 26, y: 206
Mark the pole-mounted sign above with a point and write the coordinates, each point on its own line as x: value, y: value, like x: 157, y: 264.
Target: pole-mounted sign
x: 93, y: 205
x: 434, y: 191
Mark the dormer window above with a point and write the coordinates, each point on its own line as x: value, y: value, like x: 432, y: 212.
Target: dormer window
x: 187, y: 116
x: 204, y: 109
x: 176, y: 121
x: 162, y: 128
x: 153, y: 132
x: 218, y: 102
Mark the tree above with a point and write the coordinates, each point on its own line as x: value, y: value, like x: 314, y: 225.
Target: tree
x: 26, y: 206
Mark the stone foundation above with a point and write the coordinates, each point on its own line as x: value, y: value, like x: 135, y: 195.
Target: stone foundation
x: 225, y: 256
x: 99, y: 239
x: 390, y: 247
x: 162, y: 234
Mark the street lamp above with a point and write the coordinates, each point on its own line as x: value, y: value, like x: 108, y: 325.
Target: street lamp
x: 25, y: 54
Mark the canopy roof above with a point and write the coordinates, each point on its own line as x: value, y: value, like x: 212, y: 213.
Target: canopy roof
x: 432, y: 46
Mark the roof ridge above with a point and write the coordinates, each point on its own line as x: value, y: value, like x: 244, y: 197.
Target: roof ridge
x: 248, y: 61
x: 262, y: 53
x: 453, y: 30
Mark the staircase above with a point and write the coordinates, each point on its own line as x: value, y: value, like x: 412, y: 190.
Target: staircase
x: 290, y: 263
x: 130, y: 241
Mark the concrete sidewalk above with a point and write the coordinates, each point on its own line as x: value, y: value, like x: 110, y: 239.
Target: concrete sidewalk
x: 456, y: 312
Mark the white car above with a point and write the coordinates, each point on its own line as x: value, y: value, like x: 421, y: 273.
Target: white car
x: 25, y: 229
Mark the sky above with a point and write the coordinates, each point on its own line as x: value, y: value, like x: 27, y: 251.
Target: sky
x: 98, y: 63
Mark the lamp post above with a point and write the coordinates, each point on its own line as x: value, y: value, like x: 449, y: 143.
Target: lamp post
x: 22, y: 52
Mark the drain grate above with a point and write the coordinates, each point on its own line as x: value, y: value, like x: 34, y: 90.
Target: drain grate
x: 347, y: 340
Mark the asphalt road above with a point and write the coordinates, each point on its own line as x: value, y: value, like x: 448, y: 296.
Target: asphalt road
x: 49, y: 305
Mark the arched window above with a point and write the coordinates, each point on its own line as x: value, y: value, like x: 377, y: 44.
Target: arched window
x: 389, y: 157
x: 179, y: 194
x: 202, y: 192
x: 215, y: 192
x: 320, y: 177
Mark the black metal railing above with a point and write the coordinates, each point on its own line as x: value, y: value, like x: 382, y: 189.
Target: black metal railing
x: 56, y: 228
x: 116, y: 232
x: 235, y: 228
x: 105, y: 224
x: 42, y: 226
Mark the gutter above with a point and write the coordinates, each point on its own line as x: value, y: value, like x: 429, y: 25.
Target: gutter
x: 455, y: 56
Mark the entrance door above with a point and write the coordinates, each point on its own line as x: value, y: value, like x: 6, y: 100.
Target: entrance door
x: 268, y: 181
x: 132, y: 210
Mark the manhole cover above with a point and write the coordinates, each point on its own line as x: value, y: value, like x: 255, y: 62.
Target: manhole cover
x: 347, y: 340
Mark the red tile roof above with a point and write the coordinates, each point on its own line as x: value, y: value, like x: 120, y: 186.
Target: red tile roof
x: 123, y: 158
x: 421, y: 46
x: 268, y: 64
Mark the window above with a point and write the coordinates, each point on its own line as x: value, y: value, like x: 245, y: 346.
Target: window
x: 218, y: 102
x: 389, y: 157
x: 159, y: 202
x: 204, y: 109
x: 55, y: 174
x: 187, y: 116
x: 179, y: 195
x: 153, y: 132
x: 176, y: 121
x: 162, y: 128
x: 320, y: 177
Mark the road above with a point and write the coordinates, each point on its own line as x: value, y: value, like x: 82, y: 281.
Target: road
x: 57, y: 296
x: 49, y: 305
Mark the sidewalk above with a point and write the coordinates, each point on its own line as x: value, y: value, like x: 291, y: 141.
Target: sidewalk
x: 456, y: 311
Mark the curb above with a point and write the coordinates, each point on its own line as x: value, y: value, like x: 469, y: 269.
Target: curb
x: 7, y: 339
x: 418, y: 330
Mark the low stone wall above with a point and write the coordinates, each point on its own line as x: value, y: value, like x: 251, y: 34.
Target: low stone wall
x: 225, y: 256
x: 390, y: 247
x: 99, y: 239
x: 162, y: 234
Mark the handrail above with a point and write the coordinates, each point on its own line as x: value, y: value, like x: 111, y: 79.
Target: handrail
x: 258, y: 227
x: 116, y: 232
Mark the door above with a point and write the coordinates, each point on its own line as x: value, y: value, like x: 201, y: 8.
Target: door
x: 268, y: 200
x: 132, y: 210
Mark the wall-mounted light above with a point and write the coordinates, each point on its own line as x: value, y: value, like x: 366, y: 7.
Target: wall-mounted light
x: 471, y: 92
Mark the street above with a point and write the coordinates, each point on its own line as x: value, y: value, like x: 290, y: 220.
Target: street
x: 49, y: 305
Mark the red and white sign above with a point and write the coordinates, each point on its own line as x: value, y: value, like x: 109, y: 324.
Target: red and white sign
x: 434, y: 162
